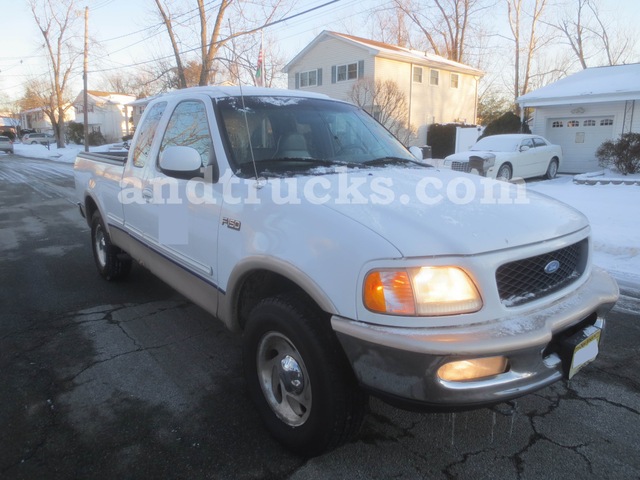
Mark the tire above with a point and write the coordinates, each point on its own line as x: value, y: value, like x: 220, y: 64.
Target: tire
x: 34, y: 143
x: 504, y: 173
x: 112, y: 262
x: 552, y: 170
x: 299, y: 378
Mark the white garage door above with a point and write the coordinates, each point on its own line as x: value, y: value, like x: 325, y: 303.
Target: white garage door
x: 579, y: 138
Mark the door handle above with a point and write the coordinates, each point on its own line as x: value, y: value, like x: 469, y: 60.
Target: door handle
x: 147, y: 194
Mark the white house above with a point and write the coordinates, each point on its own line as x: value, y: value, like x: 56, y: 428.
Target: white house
x: 437, y: 90
x: 107, y: 113
x: 36, y: 119
x: 583, y: 110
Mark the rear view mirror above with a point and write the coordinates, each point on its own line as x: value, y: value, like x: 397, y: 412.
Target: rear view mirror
x: 524, y: 148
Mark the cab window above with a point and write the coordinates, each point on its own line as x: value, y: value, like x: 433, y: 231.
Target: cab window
x: 189, y: 127
x: 146, y: 133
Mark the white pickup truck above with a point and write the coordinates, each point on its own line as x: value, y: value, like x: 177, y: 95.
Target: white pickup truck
x: 349, y: 267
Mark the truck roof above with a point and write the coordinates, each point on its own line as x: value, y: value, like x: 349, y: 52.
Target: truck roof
x: 235, y: 91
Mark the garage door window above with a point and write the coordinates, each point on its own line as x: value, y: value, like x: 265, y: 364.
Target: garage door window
x: 606, y: 121
x: 573, y: 123
x: 556, y: 124
x: 589, y: 123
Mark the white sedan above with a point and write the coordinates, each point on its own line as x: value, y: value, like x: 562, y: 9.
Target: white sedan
x: 509, y: 156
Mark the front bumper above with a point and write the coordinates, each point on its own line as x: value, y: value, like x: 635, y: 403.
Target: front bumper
x: 401, y: 364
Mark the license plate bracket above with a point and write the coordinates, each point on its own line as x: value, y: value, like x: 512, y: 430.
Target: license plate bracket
x: 580, y: 349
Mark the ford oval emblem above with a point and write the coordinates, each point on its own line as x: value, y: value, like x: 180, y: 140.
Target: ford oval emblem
x: 552, y: 267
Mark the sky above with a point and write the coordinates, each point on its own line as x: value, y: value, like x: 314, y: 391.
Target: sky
x: 124, y: 32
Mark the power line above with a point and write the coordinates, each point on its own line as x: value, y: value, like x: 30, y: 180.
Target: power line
x: 248, y: 32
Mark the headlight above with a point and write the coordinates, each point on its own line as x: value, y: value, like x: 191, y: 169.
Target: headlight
x: 425, y: 291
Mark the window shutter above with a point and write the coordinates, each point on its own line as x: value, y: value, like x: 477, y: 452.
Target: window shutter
x: 361, y: 69
x: 297, y: 81
x: 333, y: 74
x: 319, y: 77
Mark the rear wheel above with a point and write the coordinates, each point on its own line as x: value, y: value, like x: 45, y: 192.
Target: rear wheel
x: 504, y: 173
x: 552, y: 170
x: 299, y: 378
x: 112, y: 262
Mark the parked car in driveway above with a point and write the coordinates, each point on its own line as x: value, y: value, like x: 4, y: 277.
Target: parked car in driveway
x: 6, y: 145
x: 509, y: 156
x: 41, y: 138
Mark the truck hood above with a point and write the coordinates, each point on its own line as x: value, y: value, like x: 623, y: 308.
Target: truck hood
x: 429, y: 212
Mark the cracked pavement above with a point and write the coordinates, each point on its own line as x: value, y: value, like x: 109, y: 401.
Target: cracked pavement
x: 130, y: 380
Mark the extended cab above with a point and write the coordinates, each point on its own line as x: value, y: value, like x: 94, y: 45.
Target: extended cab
x: 349, y: 267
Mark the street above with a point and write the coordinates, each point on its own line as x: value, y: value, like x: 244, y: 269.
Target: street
x: 130, y: 380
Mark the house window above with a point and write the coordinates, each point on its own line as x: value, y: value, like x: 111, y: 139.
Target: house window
x: 589, y: 123
x: 556, y: 124
x: 434, y: 77
x: 606, y: 121
x: 573, y: 123
x: 347, y: 72
x: 455, y: 79
x: 309, y: 79
x: 417, y: 74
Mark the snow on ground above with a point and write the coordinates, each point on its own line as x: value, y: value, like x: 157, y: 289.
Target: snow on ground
x: 613, y: 209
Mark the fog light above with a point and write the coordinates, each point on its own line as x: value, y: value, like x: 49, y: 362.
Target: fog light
x: 472, y: 369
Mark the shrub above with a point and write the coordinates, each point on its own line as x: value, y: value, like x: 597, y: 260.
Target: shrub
x: 506, y: 123
x: 75, y: 133
x: 623, y: 153
x: 96, y: 138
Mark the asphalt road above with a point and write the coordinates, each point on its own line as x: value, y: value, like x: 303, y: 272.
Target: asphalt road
x: 130, y: 381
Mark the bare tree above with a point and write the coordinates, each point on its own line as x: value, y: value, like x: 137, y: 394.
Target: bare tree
x: 592, y: 37
x: 523, y: 24
x: 446, y: 25
x: 390, y: 26
x: 56, y: 20
x: 386, y: 102
x: 212, y: 32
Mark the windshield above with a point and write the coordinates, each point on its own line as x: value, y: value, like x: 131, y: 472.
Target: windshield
x: 497, y: 144
x: 287, y: 135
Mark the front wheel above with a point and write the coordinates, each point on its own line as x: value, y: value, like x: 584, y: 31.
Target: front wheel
x: 504, y: 173
x: 552, y: 170
x: 112, y: 262
x: 298, y: 376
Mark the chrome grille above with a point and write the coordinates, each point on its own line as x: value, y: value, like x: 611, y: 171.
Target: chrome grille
x: 526, y: 280
x: 461, y: 166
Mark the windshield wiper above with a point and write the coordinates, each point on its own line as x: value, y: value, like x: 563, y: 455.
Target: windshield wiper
x: 393, y: 161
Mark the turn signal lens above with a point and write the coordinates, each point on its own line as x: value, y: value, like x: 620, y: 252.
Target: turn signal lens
x: 444, y: 291
x: 389, y: 292
x: 427, y: 291
x: 472, y: 369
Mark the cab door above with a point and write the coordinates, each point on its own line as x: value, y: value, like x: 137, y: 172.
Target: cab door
x: 186, y: 208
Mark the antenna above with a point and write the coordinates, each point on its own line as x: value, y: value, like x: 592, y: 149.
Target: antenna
x: 246, y: 123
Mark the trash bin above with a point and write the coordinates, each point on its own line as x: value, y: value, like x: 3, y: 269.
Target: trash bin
x: 426, y: 151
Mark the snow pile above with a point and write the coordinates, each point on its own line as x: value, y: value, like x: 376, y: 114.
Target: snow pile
x: 64, y: 155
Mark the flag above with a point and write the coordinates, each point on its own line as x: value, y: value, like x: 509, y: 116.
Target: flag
x: 260, y: 68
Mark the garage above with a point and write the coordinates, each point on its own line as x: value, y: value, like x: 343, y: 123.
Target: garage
x: 581, y: 111
x: 579, y: 138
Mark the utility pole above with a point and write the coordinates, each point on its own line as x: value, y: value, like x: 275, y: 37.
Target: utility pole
x: 84, y: 78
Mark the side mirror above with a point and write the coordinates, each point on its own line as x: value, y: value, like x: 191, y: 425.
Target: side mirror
x: 183, y: 162
x: 524, y: 148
